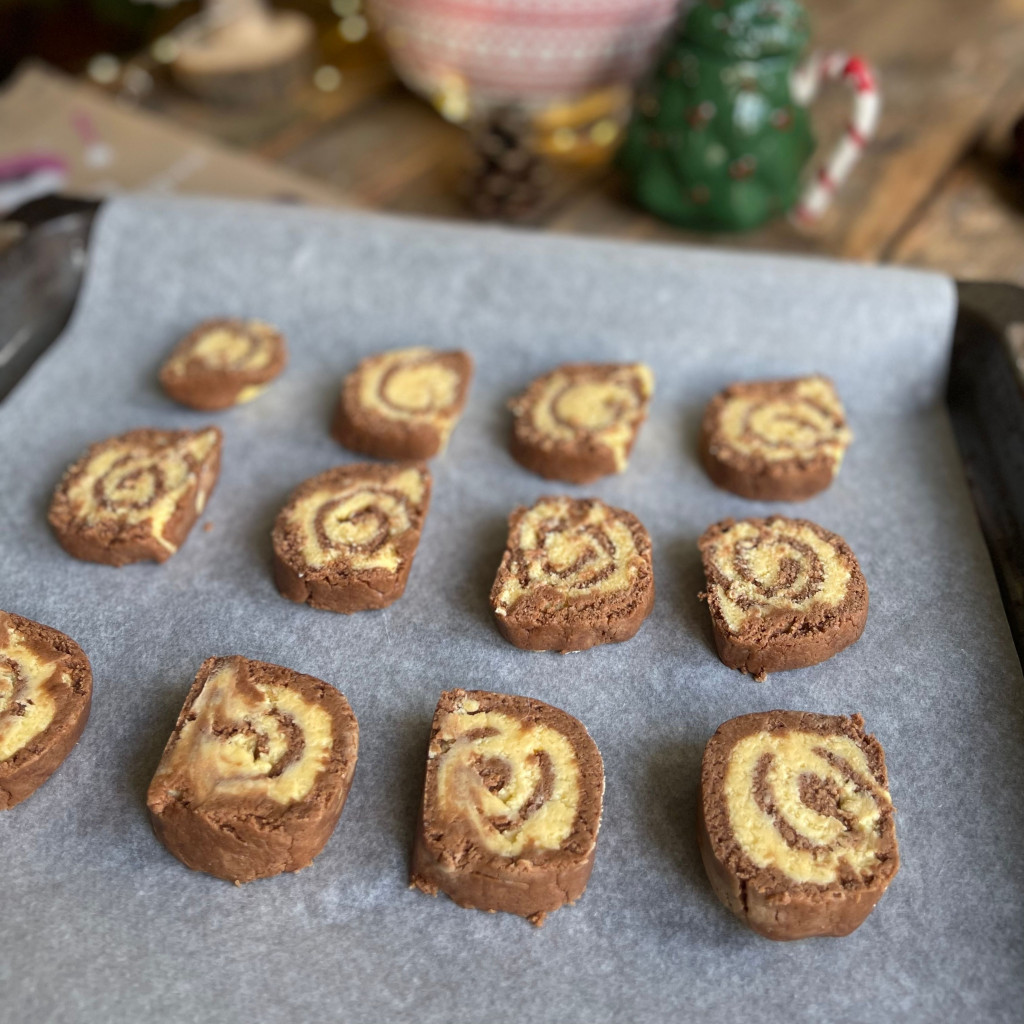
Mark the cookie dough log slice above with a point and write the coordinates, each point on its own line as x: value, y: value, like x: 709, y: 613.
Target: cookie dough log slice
x: 45, y: 694
x: 576, y: 573
x: 403, y: 404
x: 783, y: 593
x: 781, y: 440
x: 796, y: 825
x: 255, y: 774
x: 511, y: 805
x: 224, y: 363
x: 579, y: 422
x: 136, y: 497
x: 346, y: 539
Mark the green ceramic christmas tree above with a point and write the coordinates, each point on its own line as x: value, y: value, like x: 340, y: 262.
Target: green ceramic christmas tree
x: 717, y: 140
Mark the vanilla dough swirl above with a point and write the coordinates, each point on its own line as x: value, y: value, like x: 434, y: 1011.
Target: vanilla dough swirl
x: 774, y: 421
x: 246, y: 739
x: 807, y: 805
x: 762, y: 568
x: 411, y: 384
x: 237, y: 346
x: 603, y: 404
x: 580, y: 551
x: 142, y: 478
x: 402, y: 404
x: 29, y: 683
x: 516, y: 783
x: 45, y: 695
x: 355, y: 522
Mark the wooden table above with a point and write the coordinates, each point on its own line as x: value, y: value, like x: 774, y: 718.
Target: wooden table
x: 931, y: 191
x: 928, y: 192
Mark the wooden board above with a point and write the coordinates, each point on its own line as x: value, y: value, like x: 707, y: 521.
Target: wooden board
x: 108, y: 146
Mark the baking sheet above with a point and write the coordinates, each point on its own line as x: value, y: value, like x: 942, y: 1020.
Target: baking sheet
x: 103, y: 925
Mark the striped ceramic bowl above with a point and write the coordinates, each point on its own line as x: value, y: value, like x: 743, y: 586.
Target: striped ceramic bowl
x: 535, y: 51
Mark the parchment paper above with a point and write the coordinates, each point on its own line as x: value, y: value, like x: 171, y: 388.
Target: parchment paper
x: 102, y: 924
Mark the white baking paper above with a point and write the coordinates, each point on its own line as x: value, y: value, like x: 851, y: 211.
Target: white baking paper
x: 102, y: 924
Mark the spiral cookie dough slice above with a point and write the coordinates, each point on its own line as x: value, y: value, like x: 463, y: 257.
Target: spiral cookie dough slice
x: 783, y: 593
x: 224, y: 363
x: 580, y: 421
x: 511, y: 805
x: 347, y: 538
x: 45, y: 693
x: 796, y: 825
x: 781, y: 440
x: 255, y: 774
x: 403, y: 404
x: 576, y: 573
x: 137, y: 496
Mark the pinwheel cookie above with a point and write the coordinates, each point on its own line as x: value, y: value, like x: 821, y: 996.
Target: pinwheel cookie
x: 511, y: 805
x: 796, y: 824
x: 255, y: 774
x: 579, y: 422
x: 576, y: 573
x: 224, y: 363
x: 783, y: 593
x: 346, y: 539
x: 403, y: 404
x: 780, y: 440
x: 45, y: 693
x: 137, y: 496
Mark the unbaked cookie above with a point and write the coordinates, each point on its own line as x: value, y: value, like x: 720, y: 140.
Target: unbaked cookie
x: 780, y: 440
x: 579, y: 422
x: 796, y: 824
x: 403, y: 404
x: 346, y: 539
x: 224, y: 363
x: 576, y: 573
x: 45, y: 694
x: 511, y: 805
x: 136, y: 497
x: 255, y: 774
x: 783, y: 593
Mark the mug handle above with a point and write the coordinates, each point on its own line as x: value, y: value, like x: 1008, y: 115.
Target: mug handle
x: 807, y: 79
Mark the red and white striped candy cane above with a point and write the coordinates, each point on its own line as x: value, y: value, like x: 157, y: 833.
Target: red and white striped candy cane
x: 867, y: 102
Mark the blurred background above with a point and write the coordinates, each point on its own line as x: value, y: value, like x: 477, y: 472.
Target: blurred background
x: 646, y: 119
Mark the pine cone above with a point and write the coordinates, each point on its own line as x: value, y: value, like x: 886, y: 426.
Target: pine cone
x: 507, y: 179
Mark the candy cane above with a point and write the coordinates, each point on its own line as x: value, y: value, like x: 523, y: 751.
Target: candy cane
x: 867, y: 101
